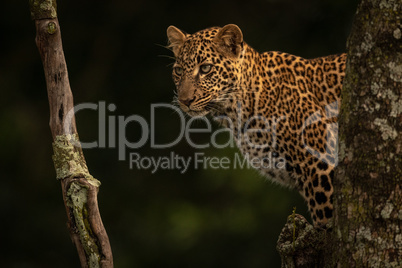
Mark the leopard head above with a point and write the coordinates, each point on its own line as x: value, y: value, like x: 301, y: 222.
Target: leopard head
x: 207, y: 68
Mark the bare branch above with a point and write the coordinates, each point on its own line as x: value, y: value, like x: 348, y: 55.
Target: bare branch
x: 78, y: 186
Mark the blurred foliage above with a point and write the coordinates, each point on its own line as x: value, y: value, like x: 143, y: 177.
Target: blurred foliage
x: 115, y: 53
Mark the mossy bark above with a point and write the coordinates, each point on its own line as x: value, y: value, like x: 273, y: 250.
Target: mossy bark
x: 367, y: 226
x: 43, y: 9
x: 300, y: 244
x: 368, y: 186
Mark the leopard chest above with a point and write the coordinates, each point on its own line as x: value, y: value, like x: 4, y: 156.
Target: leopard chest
x: 262, y: 147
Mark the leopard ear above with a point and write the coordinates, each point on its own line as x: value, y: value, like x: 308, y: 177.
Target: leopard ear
x: 176, y: 39
x: 230, y: 40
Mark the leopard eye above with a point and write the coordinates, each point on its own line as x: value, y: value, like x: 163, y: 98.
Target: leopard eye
x: 178, y: 70
x: 205, y: 68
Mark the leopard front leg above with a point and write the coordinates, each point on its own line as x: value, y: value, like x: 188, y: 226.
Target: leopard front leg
x: 318, y: 192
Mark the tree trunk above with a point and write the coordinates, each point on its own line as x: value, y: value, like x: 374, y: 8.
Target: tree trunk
x: 367, y: 227
x: 368, y: 199
x: 79, y: 188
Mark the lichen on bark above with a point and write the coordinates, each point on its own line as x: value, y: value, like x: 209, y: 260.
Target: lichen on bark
x: 70, y: 163
x: 69, y: 160
x: 300, y: 244
x: 77, y: 201
x: 367, y: 227
x: 43, y: 9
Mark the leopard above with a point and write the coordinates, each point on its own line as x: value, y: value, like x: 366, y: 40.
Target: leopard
x: 281, y: 109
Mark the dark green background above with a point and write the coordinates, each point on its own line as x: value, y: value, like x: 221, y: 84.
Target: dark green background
x: 114, y: 51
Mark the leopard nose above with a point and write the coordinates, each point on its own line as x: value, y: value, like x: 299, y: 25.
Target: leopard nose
x: 187, y: 101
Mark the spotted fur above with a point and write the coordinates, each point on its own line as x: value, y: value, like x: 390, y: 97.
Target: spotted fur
x: 282, y: 109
